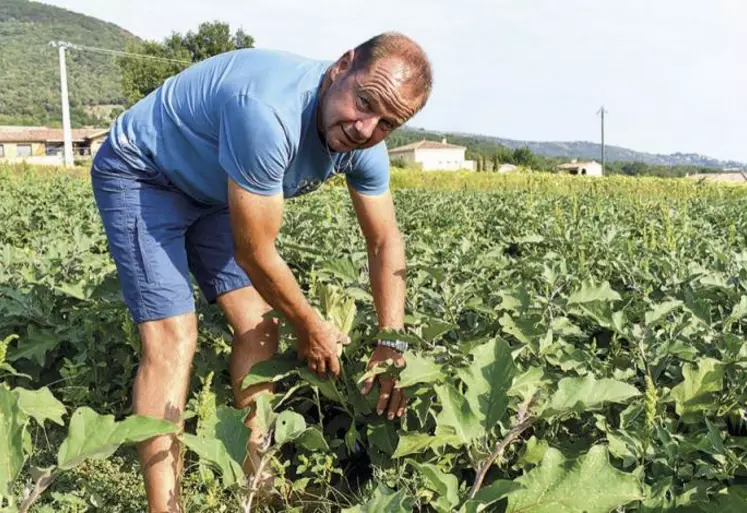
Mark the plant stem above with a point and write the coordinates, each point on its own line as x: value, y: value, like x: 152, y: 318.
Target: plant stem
x: 41, y: 484
x: 513, y: 433
x: 255, y: 482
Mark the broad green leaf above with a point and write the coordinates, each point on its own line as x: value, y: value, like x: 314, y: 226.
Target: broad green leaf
x: 661, y: 310
x: 421, y: 407
x: 695, y: 394
x: 342, y: 315
x: 231, y: 431
x: 456, y: 422
x: 80, y: 290
x: 534, y: 452
x: 12, y: 426
x: 494, y: 492
x: 416, y: 443
x: 488, y: 380
x: 587, y: 485
x: 41, y: 405
x: 728, y: 500
x: 527, y: 383
x: 516, y: 300
x: 590, y: 292
x: 419, y: 369
x: 564, y: 327
x: 274, y: 369
x: 439, y: 481
x: 91, y: 435
x: 342, y: 268
x: 435, y: 328
x: 312, y: 440
x: 34, y: 346
x: 531, y: 238
x: 583, y: 394
x: 327, y: 387
x: 288, y: 426
x: 352, y: 438
x: 385, y: 500
x: 264, y: 414
x: 383, y: 435
x: 526, y: 329
x: 214, y: 451
x: 715, y: 280
x: 359, y: 294
x: 739, y: 311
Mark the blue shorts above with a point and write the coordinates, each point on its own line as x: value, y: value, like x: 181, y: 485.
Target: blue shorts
x: 158, y: 235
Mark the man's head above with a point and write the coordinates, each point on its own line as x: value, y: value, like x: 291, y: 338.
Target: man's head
x: 371, y: 90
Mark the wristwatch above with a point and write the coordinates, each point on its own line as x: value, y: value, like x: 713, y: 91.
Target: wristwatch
x: 398, y: 345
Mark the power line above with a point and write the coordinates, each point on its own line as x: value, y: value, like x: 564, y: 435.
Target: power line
x: 121, y: 53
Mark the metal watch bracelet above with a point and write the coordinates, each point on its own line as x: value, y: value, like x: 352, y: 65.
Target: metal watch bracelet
x: 398, y: 345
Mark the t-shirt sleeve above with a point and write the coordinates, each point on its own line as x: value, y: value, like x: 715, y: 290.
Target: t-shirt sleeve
x: 253, y: 145
x: 370, y: 171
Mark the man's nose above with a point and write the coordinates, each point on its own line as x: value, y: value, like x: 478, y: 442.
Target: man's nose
x: 365, y: 127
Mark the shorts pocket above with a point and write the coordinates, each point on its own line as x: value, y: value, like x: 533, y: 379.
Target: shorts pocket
x: 143, y: 251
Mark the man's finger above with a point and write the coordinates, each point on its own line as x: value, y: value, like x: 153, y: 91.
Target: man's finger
x: 334, y: 366
x: 367, y: 385
x: 321, y: 369
x: 394, y: 403
x: 386, y: 392
x: 402, y: 406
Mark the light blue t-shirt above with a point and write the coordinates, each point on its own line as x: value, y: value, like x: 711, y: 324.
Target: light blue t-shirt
x: 249, y: 114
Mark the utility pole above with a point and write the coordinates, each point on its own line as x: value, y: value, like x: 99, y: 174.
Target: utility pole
x: 603, y: 111
x: 67, y: 135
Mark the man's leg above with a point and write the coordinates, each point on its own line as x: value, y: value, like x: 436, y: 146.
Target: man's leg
x: 160, y: 390
x: 255, y: 339
x: 145, y: 220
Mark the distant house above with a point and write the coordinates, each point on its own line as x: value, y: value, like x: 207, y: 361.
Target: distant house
x: 433, y: 155
x: 506, y: 168
x: 42, y: 145
x: 574, y: 167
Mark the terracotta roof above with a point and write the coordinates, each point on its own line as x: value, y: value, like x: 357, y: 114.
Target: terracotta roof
x: 426, y: 145
x: 28, y: 134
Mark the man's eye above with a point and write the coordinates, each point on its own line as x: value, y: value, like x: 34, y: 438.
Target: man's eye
x: 364, y: 104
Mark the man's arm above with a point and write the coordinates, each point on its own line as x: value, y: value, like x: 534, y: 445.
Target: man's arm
x: 255, y: 221
x: 386, y: 257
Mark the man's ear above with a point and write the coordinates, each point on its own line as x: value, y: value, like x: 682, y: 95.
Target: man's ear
x: 343, y: 64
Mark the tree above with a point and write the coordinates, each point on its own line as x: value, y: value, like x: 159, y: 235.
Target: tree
x: 524, y: 157
x: 140, y: 76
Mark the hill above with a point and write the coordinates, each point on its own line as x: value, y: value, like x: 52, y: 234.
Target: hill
x: 485, y: 144
x: 29, y: 82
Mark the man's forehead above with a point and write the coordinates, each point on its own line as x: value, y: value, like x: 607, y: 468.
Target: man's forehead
x: 393, y: 68
x: 389, y: 81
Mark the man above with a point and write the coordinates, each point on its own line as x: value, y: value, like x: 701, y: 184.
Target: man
x: 192, y: 179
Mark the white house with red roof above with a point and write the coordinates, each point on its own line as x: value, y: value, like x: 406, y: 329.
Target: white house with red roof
x: 433, y: 156
x: 42, y: 145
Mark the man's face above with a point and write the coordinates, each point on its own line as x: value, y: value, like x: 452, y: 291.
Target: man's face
x: 360, y: 108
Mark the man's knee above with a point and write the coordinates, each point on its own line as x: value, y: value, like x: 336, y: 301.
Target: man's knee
x: 246, y: 311
x: 169, y: 342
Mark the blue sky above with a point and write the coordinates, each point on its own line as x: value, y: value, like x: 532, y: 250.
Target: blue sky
x: 670, y: 72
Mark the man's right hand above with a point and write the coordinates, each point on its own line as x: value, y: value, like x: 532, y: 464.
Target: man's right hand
x: 319, y: 344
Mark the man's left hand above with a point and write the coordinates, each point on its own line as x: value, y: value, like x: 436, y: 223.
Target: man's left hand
x: 392, y: 401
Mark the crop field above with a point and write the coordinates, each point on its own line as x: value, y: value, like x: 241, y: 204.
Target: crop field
x: 577, y: 346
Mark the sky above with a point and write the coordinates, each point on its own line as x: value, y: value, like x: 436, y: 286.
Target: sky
x: 671, y: 73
